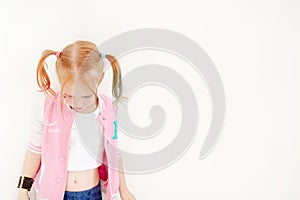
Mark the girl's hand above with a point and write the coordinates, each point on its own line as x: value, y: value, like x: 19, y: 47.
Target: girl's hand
x: 126, y: 194
x: 23, y: 194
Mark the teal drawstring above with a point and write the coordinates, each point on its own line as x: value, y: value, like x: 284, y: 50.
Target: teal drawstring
x: 115, y: 136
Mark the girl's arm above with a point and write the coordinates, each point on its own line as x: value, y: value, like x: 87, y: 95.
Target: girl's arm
x: 32, y: 158
x: 30, y: 166
x: 121, y: 175
x: 124, y: 192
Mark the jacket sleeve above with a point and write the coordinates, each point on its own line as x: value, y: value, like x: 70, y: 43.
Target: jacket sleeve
x: 37, y: 123
x: 115, y: 118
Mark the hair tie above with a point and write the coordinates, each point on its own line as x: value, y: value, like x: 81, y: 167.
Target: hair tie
x: 102, y: 55
x: 57, y: 53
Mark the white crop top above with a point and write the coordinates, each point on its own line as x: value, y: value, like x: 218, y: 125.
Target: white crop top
x: 85, y: 148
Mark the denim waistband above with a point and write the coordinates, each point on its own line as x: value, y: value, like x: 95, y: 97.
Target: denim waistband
x: 93, y: 193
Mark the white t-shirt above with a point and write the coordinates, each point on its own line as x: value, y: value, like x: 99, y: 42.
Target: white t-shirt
x: 86, y: 138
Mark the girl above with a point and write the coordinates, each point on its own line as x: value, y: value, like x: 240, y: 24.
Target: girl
x: 75, y: 145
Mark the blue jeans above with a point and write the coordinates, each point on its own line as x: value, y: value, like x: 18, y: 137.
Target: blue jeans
x: 90, y: 194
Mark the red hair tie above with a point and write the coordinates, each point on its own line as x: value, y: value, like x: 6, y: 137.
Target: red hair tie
x: 57, y: 53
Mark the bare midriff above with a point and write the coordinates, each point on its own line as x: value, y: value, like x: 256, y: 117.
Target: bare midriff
x: 82, y: 180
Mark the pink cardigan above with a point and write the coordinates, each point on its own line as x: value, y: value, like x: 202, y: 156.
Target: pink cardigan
x: 50, y: 180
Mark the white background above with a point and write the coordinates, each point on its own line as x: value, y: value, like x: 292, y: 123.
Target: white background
x: 254, y: 47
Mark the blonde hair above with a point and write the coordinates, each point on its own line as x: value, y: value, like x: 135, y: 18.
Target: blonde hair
x: 80, y: 59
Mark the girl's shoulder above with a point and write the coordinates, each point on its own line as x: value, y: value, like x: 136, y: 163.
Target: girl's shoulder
x: 107, y: 100
x: 39, y: 100
x: 105, y: 97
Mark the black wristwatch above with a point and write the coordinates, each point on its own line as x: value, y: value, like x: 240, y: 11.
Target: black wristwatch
x: 25, y: 182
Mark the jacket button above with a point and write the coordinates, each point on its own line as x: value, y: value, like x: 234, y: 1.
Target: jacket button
x: 58, y: 180
x: 61, y: 158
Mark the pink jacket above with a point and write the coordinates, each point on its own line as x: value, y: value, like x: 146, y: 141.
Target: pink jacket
x: 50, y: 180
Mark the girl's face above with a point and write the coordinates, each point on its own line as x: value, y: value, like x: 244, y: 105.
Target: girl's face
x: 80, y: 98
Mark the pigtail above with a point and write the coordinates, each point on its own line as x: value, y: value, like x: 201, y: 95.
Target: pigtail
x: 117, y: 87
x: 42, y: 77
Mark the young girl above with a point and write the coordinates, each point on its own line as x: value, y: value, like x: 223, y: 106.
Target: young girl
x: 75, y: 144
